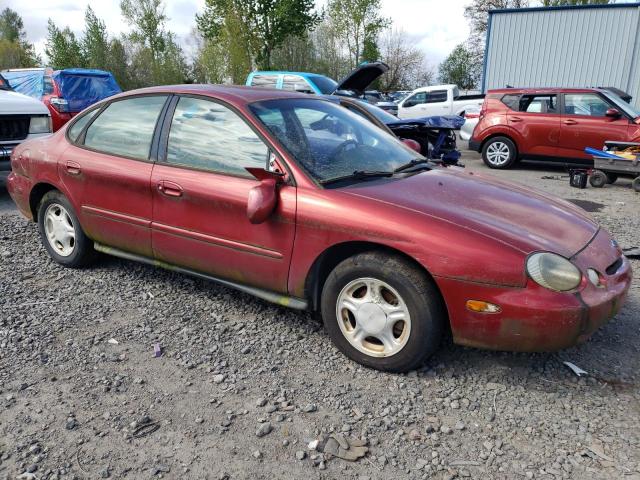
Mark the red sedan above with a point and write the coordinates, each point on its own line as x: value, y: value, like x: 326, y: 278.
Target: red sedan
x: 300, y: 201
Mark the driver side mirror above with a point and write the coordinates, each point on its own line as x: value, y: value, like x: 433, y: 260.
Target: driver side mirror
x: 613, y: 113
x: 263, y: 198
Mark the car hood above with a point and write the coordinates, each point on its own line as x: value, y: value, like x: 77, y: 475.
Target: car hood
x: 13, y: 103
x: 453, y: 122
x: 525, y: 219
x: 359, y: 79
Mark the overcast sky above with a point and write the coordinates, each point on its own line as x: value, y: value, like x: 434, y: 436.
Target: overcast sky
x: 436, y: 26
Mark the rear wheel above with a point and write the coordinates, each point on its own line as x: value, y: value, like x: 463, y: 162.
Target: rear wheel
x: 61, y: 233
x: 636, y: 184
x: 598, y: 179
x: 382, y: 312
x: 499, y: 153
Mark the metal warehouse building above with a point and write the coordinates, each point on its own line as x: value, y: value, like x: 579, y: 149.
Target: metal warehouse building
x: 572, y: 46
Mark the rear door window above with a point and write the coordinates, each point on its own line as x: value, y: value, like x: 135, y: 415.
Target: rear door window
x: 588, y: 104
x: 538, y: 104
x: 125, y: 128
x: 296, y: 83
x: 437, y: 96
x: 265, y: 81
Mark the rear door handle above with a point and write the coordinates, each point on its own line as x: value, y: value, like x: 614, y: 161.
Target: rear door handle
x: 515, y: 119
x: 73, y: 168
x: 570, y: 122
x: 169, y: 189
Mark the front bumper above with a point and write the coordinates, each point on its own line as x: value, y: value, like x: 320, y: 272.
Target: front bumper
x: 534, y: 319
x: 19, y: 187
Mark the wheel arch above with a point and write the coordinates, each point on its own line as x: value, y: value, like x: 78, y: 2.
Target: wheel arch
x: 324, y: 264
x: 38, y: 191
x: 501, y: 134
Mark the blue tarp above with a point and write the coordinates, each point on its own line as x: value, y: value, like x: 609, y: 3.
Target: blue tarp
x: 29, y: 83
x: 82, y: 87
x: 452, y: 122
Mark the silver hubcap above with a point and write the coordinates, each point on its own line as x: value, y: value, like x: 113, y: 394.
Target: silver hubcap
x: 373, y: 317
x: 498, y: 153
x: 59, y: 230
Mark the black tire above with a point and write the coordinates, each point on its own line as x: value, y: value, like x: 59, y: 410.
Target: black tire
x: 598, y: 179
x: 612, y: 177
x: 82, y: 252
x: 636, y: 184
x: 499, y: 144
x: 422, y: 299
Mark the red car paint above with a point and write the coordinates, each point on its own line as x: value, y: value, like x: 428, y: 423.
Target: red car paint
x: 470, y: 232
x: 554, y: 136
x: 58, y: 119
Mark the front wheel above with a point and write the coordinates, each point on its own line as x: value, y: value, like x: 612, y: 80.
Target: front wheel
x: 499, y: 153
x: 382, y: 311
x: 598, y: 179
x: 61, y: 233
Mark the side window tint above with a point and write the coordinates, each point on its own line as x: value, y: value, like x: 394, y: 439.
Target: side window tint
x: 264, y: 81
x: 126, y: 127
x: 511, y: 101
x: 437, y: 96
x: 538, y: 104
x: 585, y: 104
x: 210, y: 136
x: 80, y: 123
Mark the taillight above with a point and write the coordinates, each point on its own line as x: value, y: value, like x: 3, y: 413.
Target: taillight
x: 60, y: 104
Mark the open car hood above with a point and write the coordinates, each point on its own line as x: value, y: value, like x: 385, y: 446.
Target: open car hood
x: 359, y: 79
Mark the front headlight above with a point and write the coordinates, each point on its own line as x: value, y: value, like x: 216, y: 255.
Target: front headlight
x: 40, y: 125
x: 553, y: 271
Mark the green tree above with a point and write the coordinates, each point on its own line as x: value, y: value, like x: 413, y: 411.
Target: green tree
x: 458, y: 69
x: 62, y: 48
x: 156, y: 58
x: 95, y: 42
x: 117, y: 63
x: 260, y: 26
x: 358, y: 23
x: 15, y: 51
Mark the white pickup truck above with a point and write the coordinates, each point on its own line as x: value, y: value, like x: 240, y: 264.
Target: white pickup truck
x: 436, y: 100
x: 21, y: 118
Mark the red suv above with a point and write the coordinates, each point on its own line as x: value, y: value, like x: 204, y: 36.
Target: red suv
x: 552, y: 124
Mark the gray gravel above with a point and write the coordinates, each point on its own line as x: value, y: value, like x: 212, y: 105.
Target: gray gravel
x: 243, y: 388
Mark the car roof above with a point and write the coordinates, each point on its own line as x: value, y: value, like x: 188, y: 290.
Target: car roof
x: 518, y: 91
x: 285, y: 72
x: 236, y: 94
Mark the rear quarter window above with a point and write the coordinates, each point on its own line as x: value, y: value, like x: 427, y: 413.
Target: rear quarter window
x: 511, y: 101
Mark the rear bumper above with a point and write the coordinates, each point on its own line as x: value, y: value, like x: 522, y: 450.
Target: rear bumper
x: 19, y: 188
x: 474, y: 145
x: 533, y: 319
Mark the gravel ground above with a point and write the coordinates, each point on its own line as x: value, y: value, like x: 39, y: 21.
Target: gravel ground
x: 243, y: 387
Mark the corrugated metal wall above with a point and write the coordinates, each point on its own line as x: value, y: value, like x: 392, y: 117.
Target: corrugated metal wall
x: 577, y: 47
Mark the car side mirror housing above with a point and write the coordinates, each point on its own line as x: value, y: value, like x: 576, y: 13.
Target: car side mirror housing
x: 613, y: 113
x: 263, y: 198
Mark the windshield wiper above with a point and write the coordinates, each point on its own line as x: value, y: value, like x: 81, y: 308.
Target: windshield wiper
x: 359, y: 175
x: 413, y: 163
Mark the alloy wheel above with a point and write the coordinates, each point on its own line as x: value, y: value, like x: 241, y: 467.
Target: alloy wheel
x: 498, y: 153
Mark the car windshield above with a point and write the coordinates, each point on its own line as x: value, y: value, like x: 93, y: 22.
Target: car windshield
x: 624, y: 106
x: 329, y: 141
x: 326, y: 85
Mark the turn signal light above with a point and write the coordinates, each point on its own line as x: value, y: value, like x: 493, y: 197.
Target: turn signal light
x: 482, y: 307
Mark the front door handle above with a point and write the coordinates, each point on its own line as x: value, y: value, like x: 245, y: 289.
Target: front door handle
x: 570, y: 122
x: 73, y: 168
x: 515, y: 119
x: 169, y: 189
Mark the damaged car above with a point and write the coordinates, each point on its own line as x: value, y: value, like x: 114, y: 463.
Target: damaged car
x: 304, y: 203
